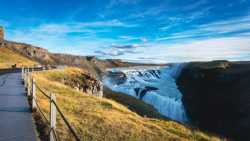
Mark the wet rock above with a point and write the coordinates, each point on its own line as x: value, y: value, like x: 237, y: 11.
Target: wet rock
x: 117, y: 77
x: 144, y: 91
x: 137, y: 91
x: 141, y: 92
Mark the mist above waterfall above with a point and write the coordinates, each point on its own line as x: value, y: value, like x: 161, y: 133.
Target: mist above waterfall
x: 154, y: 85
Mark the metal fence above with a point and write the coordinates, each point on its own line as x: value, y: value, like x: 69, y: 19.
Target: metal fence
x: 32, y: 87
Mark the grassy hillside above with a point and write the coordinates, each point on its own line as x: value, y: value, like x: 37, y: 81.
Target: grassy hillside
x: 9, y: 58
x: 100, y: 119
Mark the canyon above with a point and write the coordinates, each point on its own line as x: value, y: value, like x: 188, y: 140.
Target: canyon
x: 213, y: 96
x: 216, y: 96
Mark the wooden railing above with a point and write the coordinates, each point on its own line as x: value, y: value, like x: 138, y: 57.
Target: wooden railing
x: 32, y: 87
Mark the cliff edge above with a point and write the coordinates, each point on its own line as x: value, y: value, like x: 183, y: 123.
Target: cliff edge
x: 216, y: 96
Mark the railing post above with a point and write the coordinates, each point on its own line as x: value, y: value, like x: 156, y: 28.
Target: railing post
x: 22, y: 72
x: 24, y: 75
x: 26, y: 78
x: 29, y: 85
x: 52, y: 117
x: 33, y: 94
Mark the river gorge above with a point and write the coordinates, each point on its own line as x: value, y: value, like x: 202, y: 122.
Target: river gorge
x: 212, y: 96
x: 154, y: 85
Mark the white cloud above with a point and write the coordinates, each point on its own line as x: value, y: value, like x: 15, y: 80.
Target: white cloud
x: 215, y: 28
x: 143, y: 39
x: 233, y: 48
x: 110, y: 23
x: 129, y: 38
x: 124, y: 46
x: 59, y: 41
x: 109, y: 53
x: 88, y: 27
x: 115, y: 50
x: 179, y: 20
x: 58, y: 37
x: 153, y: 11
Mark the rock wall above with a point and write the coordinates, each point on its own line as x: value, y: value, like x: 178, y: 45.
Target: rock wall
x: 83, y: 82
x: 216, y: 96
x: 34, y: 53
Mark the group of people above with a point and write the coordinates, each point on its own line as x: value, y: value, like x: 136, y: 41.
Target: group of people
x: 97, y: 88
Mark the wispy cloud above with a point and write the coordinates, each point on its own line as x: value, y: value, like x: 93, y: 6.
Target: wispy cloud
x: 117, y: 50
x: 153, y: 11
x: 124, y: 46
x: 230, y: 48
x: 219, y: 28
x: 193, y: 6
x: 137, y: 29
x: 179, y: 20
x: 109, y: 23
x: 131, y: 38
x: 113, y: 3
x: 109, y: 53
x: 73, y: 37
x: 81, y: 26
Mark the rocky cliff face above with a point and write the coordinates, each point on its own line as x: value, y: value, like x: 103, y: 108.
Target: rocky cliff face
x: 216, y: 96
x: 34, y: 53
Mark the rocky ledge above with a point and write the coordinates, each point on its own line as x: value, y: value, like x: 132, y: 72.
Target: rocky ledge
x: 216, y: 96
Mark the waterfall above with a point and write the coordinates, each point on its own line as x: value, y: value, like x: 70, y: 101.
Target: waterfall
x: 154, y: 85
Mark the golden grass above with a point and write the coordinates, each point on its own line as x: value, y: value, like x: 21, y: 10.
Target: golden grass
x: 9, y: 58
x: 100, y: 119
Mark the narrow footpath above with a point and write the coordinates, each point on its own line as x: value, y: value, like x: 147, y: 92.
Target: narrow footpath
x: 15, y: 115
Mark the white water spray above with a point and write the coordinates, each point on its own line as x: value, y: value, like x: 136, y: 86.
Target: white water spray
x: 154, y: 85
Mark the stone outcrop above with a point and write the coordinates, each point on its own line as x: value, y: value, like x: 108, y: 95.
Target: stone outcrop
x: 141, y: 92
x: 83, y: 82
x: 34, y: 53
x: 216, y: 96
x: 118, y: 77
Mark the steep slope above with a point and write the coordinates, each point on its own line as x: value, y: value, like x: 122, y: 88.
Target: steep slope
x: 216, y: 96
x: 8, y: 58
x: 35, y: 53
x: 102, y: 119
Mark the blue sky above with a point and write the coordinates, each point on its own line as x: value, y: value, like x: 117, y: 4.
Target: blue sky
x: 135, y: 30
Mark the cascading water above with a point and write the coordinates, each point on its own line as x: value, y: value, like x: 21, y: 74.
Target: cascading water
x: 154, y: 85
